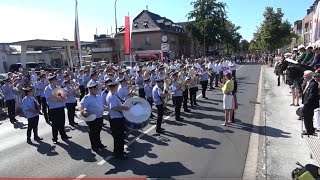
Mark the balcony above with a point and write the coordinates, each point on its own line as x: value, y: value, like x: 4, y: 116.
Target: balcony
x: 102, y: 50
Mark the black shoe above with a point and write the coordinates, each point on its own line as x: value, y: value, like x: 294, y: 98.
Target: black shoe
x: 72, y: 124
x: 66, y: 137
x: 101, y: 146
x: 15, y: 120
x: 122, y: 157
x: 38, y: 138
x: 196, y: 104
x: 95, y: 149
x: 55, y: 141
x: 306, y: 133
x: 40, y: 113
x: 160, y: 131
x: 205, y: 98
x: 29, y: 141
x: 180, y: 119
x: 187, y: 110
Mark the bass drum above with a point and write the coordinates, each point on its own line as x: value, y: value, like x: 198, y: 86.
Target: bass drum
x: 138, y: 115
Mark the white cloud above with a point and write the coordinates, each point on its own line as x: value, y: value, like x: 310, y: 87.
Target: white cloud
x: 19, y: 23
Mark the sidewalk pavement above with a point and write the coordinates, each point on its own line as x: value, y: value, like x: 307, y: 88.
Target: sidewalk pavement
x: 282, y: 145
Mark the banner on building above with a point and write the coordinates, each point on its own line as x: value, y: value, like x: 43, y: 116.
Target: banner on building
x: 315, y: 24
x: 127, y: 35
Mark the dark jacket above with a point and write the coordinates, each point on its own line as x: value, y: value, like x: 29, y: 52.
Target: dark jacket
x: 235, y: 89
x: 310, y: 98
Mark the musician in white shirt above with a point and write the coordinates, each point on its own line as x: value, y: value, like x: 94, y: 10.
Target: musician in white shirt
x: 212, y: 69
x: 232, y: 66
x: 33, y: 76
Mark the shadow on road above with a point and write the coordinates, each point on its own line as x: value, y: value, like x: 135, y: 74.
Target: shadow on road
x: 45, y: 148
x: 194, y: 141
x: 168, y: 169
x: 78, y: 152
x: 207, y: 127
x: 261, y: 130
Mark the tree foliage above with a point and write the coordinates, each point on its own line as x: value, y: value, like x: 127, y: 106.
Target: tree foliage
x: 244, y: 45
x: 207, y: 19
x: 274, y: 32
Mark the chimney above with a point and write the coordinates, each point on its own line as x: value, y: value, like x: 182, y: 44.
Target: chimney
x: 147, y: 8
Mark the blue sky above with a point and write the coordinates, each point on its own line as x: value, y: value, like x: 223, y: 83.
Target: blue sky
x: 54, y: 19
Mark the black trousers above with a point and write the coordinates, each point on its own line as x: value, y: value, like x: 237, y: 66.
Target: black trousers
x: 44, y: 108
x: 185, y: 99
x: 95, y: 128
x: 71, y: 107
x: 150, y: 101
x: 82, y: 91
x: 117, y: 126
x: 217, y: 80
x: 220, y: 76
x: 11, y: 104
x: 178, y: 102
x: 234, y: 74
x: 204, y: 85
x: 308, y: 120
x: 57, y: 117
x: 193, y: 95
x: 142, y: 94
x: 33, y: 125
x: 160, y: 109
x: 212, y: 77
x: 39, y: 100
x: 86, y: 90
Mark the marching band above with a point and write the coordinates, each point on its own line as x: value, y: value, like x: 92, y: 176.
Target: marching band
x: 107, y: 91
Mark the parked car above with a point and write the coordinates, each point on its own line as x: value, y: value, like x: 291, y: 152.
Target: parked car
x: 36, y: 66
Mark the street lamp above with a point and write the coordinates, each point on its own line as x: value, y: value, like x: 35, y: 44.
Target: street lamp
x: 116, y: 22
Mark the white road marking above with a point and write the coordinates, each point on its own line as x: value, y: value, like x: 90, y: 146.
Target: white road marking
x: 240, y: 67
x: 145, y: 132
x: 81, y: 176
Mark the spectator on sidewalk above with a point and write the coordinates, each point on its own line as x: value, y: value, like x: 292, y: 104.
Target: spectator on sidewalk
x: 310, y: 101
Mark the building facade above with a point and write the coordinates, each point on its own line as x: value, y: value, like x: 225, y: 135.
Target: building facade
x: 106, y: 48
x: 156, y: 35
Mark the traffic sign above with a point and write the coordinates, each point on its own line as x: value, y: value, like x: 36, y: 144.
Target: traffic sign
x: 164, y: 47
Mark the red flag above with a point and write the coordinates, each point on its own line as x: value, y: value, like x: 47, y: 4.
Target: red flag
x: 127, y: 35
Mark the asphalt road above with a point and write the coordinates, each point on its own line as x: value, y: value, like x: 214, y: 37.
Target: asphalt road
x: 198, y: 148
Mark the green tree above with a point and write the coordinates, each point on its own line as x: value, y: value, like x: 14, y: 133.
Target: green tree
x: 244, y: 45
x: 253, y: 46
x: 207, y: 20
x: 274, y: 32
x: 230, y: 37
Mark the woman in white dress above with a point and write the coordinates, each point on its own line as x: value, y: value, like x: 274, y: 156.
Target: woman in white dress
x: 228, y: 104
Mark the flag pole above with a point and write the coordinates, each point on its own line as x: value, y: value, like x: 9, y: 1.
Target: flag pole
x: 77, y: 35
